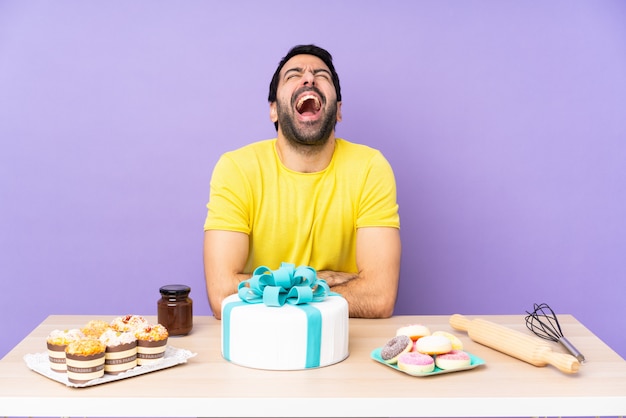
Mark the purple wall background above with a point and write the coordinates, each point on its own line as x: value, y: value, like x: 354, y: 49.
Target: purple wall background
x: 505, y: 123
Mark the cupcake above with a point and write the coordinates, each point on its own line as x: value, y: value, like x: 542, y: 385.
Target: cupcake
x: 57, y: 341
x: 85, y: 360
x: 129, y: 323
x: 151, y: 343
x: 121, y: 351
x: 95, y: 328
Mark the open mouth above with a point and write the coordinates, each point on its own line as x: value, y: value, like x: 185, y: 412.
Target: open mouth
x: 308, y: 104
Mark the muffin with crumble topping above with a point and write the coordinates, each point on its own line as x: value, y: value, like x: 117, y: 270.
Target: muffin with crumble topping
x: 85, y: 360
x: 57, y: 341
x: 121, y: 351
x: 151, y: 343
x: 95, y: 328
x: 129, y: 323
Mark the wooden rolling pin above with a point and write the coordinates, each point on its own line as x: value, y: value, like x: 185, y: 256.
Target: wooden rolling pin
x: 514, y: 343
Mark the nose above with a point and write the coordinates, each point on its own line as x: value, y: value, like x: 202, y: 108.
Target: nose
x: 308, y: 78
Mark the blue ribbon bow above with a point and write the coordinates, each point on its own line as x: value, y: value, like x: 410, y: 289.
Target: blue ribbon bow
x: 286, y: 285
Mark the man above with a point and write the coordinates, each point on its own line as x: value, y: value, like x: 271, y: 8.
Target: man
x: 306, y: 198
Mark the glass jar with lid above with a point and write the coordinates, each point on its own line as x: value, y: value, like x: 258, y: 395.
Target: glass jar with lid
x: 175, y: 309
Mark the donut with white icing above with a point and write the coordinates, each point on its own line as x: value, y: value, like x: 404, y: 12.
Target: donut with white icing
x: 414, y: 331
x: 433, y: 344
x: 456, y: 343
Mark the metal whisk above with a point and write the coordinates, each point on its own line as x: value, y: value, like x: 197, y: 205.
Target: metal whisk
x: 542, y: 321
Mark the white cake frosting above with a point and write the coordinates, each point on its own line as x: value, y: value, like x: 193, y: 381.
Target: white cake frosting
x: 276, y: 338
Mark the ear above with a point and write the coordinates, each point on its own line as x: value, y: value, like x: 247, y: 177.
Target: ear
x: 273, y: 112
x: 339, y: 112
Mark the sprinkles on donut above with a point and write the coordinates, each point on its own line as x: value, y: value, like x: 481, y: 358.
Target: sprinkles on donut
x: 394, y: 347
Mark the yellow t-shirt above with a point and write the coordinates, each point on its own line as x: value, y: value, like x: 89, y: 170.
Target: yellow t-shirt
x: 302, y: 218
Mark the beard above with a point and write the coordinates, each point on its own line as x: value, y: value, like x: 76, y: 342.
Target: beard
x: 306, y: 136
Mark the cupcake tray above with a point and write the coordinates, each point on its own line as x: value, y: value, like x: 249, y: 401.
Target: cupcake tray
x: 173, y: 356
x: 475, y: 362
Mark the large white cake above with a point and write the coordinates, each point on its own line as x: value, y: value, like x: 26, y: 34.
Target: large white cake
x: 287, y: 337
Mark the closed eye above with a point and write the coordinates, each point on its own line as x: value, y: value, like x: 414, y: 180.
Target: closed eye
x: 298, y: 72
x: 293, y: 72
x: 322, y: 73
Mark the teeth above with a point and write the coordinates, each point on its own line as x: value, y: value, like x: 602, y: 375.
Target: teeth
x: 305, y: 98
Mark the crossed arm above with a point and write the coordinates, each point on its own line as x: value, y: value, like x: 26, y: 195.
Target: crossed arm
x: 371, y: 293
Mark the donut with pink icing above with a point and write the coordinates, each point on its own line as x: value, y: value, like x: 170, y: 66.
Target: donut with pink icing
x: 455, y: 359
x: 394, y: 347
x: 416, y: 363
